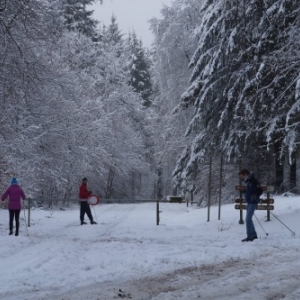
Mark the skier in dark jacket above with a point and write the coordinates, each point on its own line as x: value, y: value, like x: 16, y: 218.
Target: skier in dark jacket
x: 252, y: 196
x: 84, y: 205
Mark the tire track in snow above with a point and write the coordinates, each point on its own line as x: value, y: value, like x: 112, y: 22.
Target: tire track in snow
x: 120, y: 213
x: 232, y: 279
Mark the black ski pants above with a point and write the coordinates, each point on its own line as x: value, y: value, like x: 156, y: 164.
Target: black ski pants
x: 14, y: 213
x: 85, y: 208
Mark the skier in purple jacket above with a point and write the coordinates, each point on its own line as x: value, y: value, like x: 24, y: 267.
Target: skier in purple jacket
x: 15, y: 193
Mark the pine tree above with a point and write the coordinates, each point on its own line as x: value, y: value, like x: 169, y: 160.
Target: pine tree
x: 139, y: 69
x: 113, y: 33
x: 241, y: 87
x: 78, y: 18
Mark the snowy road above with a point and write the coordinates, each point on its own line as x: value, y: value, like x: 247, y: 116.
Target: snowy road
x: 127, y: 256
x: 233, y: 279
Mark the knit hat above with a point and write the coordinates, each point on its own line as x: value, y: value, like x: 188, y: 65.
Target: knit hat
x: 14, y: 181
x: 84, y: 179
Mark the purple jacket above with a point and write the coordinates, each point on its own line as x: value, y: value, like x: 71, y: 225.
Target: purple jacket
x: 15, y: 193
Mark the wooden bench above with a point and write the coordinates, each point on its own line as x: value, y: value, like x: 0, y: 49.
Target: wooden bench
x: 264, y: 204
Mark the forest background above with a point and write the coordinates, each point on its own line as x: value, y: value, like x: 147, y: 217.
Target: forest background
x: 219, y: 89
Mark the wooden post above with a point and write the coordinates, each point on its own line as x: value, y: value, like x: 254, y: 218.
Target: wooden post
x: 220, y: 188
x: 29, y: 208
x: 241, y: 221
x: 209, y: 190
x: 157, y: 212
x: 189, y: 199
x: 268, y: 212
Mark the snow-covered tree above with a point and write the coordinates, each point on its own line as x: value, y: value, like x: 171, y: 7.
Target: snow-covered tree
x: 113, y: 33
x: 139, y: 68
x: 67, y: 110
x: 78, y: 17
x: 241, y: 91
x: 174, y: 44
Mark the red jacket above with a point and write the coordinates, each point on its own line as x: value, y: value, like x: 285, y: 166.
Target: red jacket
x: 83, y: 192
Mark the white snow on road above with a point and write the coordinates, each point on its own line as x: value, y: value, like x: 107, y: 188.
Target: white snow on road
x: 126, y: 256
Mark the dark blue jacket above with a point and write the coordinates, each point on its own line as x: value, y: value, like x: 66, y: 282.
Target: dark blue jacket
x: 253, y: 190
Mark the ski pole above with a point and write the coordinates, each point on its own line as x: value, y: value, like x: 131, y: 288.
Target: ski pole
x: 293, y: 233
x: 261, y: 226
x: 25, y: 219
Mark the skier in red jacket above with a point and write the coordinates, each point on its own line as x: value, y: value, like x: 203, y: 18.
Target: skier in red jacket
x: 84, y: 205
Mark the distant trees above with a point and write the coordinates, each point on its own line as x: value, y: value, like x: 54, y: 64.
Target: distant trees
x: 222, y: 79
x: 174, y: 44
x: 67, y: 110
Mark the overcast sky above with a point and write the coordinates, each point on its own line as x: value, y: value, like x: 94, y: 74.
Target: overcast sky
x: 131, y: 14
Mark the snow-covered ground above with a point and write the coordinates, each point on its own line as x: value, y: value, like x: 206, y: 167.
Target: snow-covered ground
x: 126, y: 256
